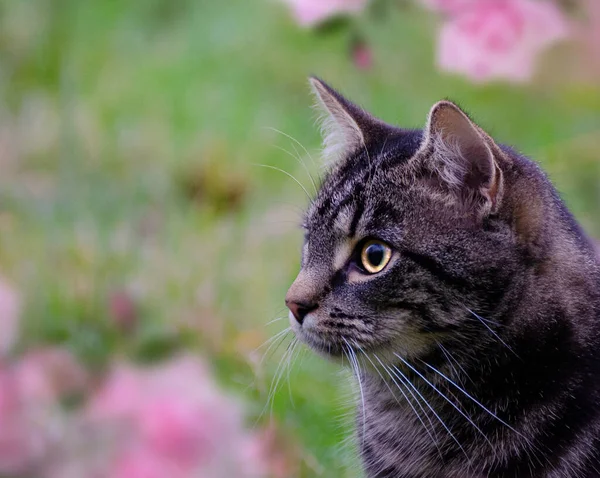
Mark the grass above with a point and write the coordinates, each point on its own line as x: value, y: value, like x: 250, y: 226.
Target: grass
x: 129, y: 132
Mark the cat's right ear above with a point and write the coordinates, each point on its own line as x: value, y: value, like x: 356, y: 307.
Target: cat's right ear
x: 346, y: 128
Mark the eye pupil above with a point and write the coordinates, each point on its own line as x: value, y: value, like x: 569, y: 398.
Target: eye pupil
x: 375, y: 254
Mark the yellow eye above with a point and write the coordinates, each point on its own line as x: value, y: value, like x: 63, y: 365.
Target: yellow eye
x: 374, y: 256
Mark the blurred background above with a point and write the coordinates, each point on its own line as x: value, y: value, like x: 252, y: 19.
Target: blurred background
x: 145, y: 252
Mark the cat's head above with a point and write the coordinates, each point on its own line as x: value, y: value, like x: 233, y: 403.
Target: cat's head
x: 414, y: 236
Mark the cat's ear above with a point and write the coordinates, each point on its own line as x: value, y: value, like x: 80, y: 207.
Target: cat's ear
x: 345, y: 127
x: 463, y: 158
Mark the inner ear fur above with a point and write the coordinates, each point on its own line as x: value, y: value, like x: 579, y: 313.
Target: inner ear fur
x: 463, y: 158
x: 345, y: 127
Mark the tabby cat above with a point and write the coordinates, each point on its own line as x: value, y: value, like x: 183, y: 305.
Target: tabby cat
x: 446, y: 270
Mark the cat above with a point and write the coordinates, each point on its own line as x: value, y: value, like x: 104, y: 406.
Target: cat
x: 445, y: 269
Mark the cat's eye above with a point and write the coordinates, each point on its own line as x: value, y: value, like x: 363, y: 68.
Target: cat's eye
x: 374, y: 256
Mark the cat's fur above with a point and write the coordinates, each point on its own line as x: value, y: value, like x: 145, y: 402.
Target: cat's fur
x: 492, y: 283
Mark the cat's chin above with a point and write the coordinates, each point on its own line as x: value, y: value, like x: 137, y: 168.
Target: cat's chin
x: 327, y: 349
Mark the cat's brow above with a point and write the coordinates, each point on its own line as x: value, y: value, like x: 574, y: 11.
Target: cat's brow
x: 342, y: 253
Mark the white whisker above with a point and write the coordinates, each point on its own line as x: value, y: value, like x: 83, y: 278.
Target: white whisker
x: 270, y: 342
x: 299, y: 159
x: 268, y: 166
x: 483, y: 321
x: 473, y: 399
x: 468, y: 418
x: 452, y: 360
x: 295, y: 141
x: 279, y: 375
x: 434, y: 413
x: 275, y: 320
x: 354, y: 362
x: 434, y: 441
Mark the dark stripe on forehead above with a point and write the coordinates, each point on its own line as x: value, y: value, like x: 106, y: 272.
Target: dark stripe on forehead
x: 325, y: 205
x: 349, y: 179
x: 352, y: 188
x: 358, y: 212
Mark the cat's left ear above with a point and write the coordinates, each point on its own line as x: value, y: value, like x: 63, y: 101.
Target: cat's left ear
x: 346, y: 127
x: 463, y: 158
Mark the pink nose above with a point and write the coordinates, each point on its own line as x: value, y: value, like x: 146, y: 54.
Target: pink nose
x: 300, y: 309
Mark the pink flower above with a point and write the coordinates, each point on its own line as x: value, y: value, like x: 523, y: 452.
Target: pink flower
x: 47, y: 374
x: 144, y: 464
x: 180, y: 429
x: 362, y: 56
x: 123, y: 310
x: 22, y: 441
x: 119, y: 396
x: 312, y: 12
x: 448, y: 6
x: 176, y: 423
x: 9, y: 317
x: 499, y: 39
x: 592, y: 33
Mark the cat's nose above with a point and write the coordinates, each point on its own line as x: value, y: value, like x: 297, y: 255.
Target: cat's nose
x: 300, y: 309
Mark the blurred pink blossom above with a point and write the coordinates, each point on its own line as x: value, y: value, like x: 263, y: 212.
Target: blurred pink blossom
x: 22, y: 437
x: 170, y: 420
x: 48, y: 374
x: 448, y: 6
x: 312, y: 12
x: 362, y: 55
x: 499, y: 39
x: 174, y: 417
x: 593, y: 31
x: 144, y: 464
x: 119, y: 395
x: 9, y: 316
x: 123, y: 310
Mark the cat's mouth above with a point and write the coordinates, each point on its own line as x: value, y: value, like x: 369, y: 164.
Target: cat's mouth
x: 332, y: 345
x: 328, y: 348
x: 324, y: 344
x: 340, y: 343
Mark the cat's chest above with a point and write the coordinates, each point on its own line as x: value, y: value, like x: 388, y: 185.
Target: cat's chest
x: 401, y: 436
x: 396, y: 433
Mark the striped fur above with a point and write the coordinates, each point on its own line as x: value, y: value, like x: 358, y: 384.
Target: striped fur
x: 478, y: 347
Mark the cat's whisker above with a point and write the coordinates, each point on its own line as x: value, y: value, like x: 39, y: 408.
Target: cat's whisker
x: 295, y: 141
x: 473, y: 399
x: 441, y: 394
x: 396, y: 370
x: 483, y: 321
x: 291, y: 360
x: 274, y: 320
x: 299, y: 159
x: 312, y: 179
x: 434, y: 441
x: 415, y: 398
x: 302, y: 354
x: 278, y: 339
x: 290, y: 175
x: 490, y: 321
x: 278, y: 370
x: 271, y: 342
x: 451, y: 361
x: 407, y: 384
x: 353, y: 360
x: 279, y: 375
